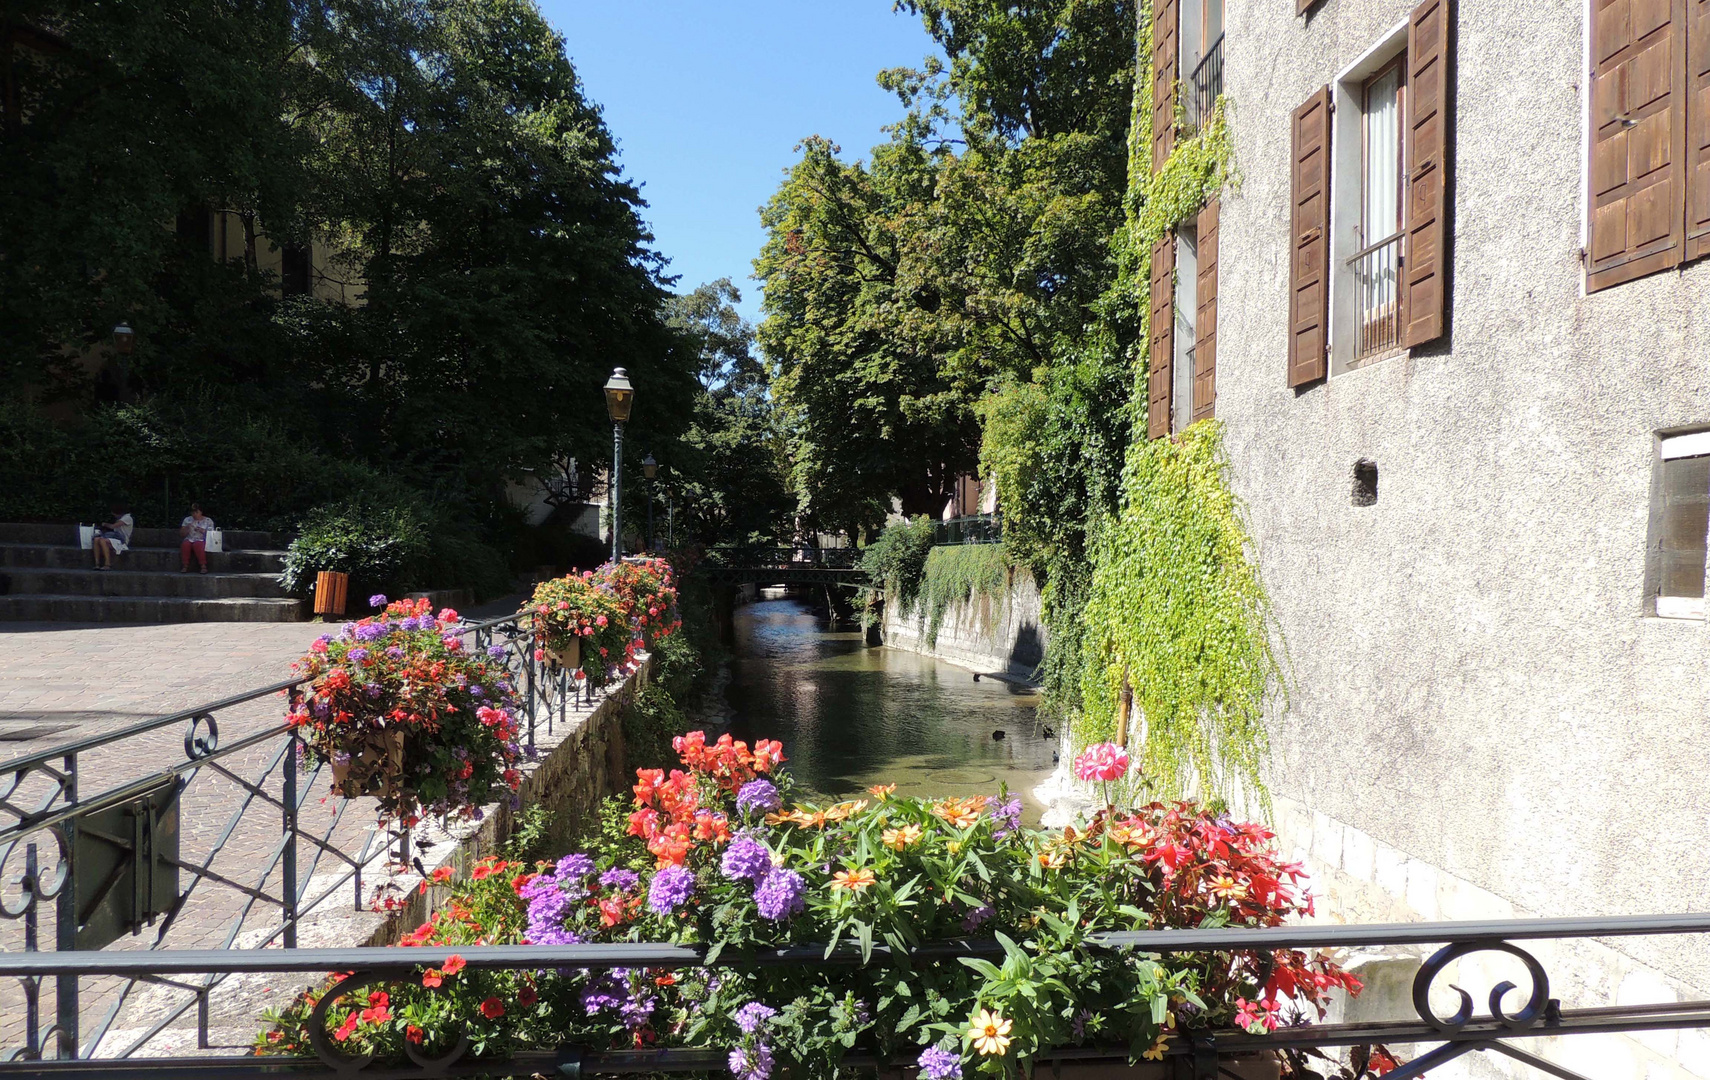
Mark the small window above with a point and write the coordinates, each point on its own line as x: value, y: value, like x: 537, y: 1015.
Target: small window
x: 1201, y: 60
x: 294, y: 270
x: 1680, y: 520
x: 1186, y: 328
x: 1377, y: 265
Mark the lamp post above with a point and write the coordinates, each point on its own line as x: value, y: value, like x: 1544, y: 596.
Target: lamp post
x: 620, y: 397
x: 649, y: 469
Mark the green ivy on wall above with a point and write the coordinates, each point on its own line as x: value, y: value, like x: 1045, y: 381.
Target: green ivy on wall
x: 958, y: 574
x: 1177, y: 612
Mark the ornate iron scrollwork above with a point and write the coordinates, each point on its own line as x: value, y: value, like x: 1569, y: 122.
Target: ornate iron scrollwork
x: 197, y: 745
x: 352, y: 1065
x: 1539, y: 1005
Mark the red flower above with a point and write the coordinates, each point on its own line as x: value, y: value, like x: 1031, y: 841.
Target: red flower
x: 527, y: 996
x: 443, y: 874
x: 492, y: 1008
x: 346, y: 1029
x: 413, y: 1033
x: 433, y: 977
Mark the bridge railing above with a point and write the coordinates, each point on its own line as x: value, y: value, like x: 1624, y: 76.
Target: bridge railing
x: 802, y: 556
x: 222, y: 838
x: 1487, y: 956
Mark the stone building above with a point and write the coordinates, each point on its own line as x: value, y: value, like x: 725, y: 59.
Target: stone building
x: 1455, y: 318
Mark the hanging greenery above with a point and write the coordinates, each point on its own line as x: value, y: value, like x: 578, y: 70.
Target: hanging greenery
x: 1177, y: 613
x: 958, y: 574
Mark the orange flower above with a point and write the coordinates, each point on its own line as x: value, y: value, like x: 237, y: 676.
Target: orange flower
x: 1053, y: 860
x: 432, y: 977
x: 843, y: 810
x: 898, y: 839
x: 443, y: 874
x: 1131, y: 835
x: 882, y: 791
x: 454, y: 964
x: 1228, y: 888
x: 961, y: 813
x: 853, y: 880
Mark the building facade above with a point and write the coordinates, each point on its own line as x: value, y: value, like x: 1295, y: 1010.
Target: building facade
x: 1457, y: 329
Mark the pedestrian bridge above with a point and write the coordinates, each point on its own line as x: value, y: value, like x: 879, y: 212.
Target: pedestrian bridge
x: 783, y: 566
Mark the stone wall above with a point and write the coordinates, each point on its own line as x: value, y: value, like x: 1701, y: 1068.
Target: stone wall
x: 1004, y: 636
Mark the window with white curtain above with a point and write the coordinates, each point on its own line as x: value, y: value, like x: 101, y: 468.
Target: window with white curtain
x: 1186, y: 328
x: 1377, y: 266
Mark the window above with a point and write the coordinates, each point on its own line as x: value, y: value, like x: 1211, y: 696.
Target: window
x: 1201, y: 59
x: 1376, y: 266
x: 1680, y: 519
x: 294, y: 267
x: 1370, y: 263
x: 1186, y: 306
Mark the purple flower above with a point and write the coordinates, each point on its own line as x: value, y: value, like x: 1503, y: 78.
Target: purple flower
x: 548, y: 904
x: 347, y: 630
x: 751, y: 1063
x: 374, y: 690
x: 371, y: 631
x: 621, y: 880
x: 377, y: 600
x: 324, y: 639
x: 575, y: 866
x: 781, y: 894
x: 753, y: 1015
x: 758, y: 795
x: 746, y: 859
x: 606, y: 992
x: 936, y: 1064
x: 476, y: 691
x: 497, y: 652
x: 977, y: 916
x: 671, y: 886
x: 359, y: 654
x: 394, y: 652
x: 1006, y: 814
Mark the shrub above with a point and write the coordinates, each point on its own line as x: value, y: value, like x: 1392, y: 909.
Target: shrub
x: 897, y: 560
x: 381, y: 548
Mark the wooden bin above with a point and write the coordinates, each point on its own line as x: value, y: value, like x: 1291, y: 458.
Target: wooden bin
x: 330, y: 589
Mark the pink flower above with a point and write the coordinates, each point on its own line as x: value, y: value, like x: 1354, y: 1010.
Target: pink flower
x: 1104, y: 762
x: 601, y: 620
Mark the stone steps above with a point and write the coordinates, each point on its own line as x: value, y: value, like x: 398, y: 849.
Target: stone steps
x: 149, y: 609
x: 46, y: 575
x: 89, y: 582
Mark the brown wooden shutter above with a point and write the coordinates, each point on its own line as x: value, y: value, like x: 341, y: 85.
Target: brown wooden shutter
x: 1426, y: 262
x: 1162, y: 337
x: 1309, y: 277
x: 1164, y: 52
x: 1302, y: 6
x: 1698, y: 129
x: 1205, y: 319
x: 1638, y: 139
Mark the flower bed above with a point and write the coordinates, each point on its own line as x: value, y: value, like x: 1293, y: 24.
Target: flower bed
x: 720, y: 854
x: 404, y: 712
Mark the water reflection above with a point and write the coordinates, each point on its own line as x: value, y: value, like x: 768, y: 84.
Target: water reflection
x: 850, y: 715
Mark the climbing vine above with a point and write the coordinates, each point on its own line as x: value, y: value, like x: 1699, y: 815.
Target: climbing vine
x: 1177, y: 613
x: 958, y: 574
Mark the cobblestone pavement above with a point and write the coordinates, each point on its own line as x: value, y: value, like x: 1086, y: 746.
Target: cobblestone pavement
x: 60, y: 683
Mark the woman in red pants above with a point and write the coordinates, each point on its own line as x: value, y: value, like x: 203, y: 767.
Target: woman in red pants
x: 194, y: 530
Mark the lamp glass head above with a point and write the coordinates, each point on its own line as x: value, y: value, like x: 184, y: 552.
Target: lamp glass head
x: 620, y: 395
x: 649, y: 467
x: 124, y: 338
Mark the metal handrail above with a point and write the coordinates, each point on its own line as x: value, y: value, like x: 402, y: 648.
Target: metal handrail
x: 1203, y: 87
x: 1369, y: 248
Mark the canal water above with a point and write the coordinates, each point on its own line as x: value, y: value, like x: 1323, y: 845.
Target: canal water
x: 852, y: 715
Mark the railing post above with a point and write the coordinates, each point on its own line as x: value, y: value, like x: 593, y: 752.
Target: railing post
x: 529, y: 664
x: 32, y: 986
x: 288, y: 865
x: 65, y: 922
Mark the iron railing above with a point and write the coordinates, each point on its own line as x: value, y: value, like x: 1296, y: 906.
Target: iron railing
x: 1202, y: 88
x: 258, y: 840
x: 1464, y: 947
x: 801, y: 556
x: 1377, y: 294
x: 974, y: 529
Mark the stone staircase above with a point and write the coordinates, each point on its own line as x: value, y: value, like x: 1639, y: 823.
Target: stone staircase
x: 46, y: 575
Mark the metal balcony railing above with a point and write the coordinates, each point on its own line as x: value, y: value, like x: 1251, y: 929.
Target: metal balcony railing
x: 974, y: 529
x: 1202, y: 88
x: 1377, y: 294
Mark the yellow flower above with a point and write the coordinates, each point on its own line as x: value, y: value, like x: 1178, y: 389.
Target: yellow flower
x: 1228, y: 888
x: 1130, y: 836
x: 900, y: 838
x: 1156, y: 1053
x: 990, y: 1033
x: 962, y: 813
x: 844, y: 809
x: 854, y: 880
x: 882, y: 791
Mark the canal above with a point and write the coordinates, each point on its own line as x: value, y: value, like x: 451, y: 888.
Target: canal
x: 852, y: 715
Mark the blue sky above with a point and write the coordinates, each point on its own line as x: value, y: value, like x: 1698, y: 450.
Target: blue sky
x: 708, y: 98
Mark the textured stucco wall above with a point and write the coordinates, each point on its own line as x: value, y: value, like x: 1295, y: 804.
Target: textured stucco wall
x: 1473, y: 680
x: 1001, y: 636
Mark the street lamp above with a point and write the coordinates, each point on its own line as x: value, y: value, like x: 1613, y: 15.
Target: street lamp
x: 124, y: 339
x: 620, y: 398
x: 649, y: 469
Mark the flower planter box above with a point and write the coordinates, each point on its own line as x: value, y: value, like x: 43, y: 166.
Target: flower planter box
x: 569, y: 657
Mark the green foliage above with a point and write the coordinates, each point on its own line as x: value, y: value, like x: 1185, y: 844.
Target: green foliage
x: 1176, y: 610
x: 958, y: 573
x: 531, y: 833
x: 381, y: 547
x: 896, y: 561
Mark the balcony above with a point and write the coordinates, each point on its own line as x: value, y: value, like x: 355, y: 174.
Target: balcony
x: 1377, y: 293
x: 1202, y: 88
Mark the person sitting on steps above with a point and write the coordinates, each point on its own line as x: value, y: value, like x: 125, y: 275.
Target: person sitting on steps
x: 112, y: 538
x: 194, y: 529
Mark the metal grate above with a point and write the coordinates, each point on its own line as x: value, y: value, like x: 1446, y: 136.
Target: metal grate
x: 1203, y: 88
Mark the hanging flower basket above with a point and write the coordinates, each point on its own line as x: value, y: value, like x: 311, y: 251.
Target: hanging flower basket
x: 647, y: 588
x: 583, y: 625
x: 408, y: 714
x: 569, y: 655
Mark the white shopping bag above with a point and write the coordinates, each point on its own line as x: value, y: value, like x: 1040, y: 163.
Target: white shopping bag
x: 216, y: 540
x: 86, y: 536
